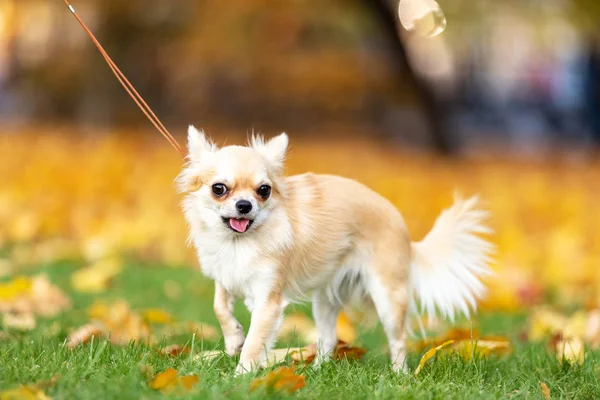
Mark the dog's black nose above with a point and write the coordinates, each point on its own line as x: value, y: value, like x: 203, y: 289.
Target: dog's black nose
x: 243, y: 206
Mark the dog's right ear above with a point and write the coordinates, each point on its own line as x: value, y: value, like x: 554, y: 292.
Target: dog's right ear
x: 198, y: 144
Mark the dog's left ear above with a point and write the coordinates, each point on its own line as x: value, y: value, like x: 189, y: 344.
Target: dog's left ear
x: 274, y: 150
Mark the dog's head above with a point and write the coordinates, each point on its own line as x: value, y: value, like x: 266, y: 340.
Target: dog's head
x: 233, y: 189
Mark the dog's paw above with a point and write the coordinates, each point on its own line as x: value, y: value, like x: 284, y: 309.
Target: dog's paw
x: 234, y: 343
x: 400, y: 368
x: 246, y: 368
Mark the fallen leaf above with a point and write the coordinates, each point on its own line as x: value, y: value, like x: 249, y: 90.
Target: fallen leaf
x: 430, y: 354
x: 20, y: 322
x: 29, y: 392
x: 345, y: 329
x: 570, y: 350
x: 169, y: 380
x: 343, y: 350
x: 174, y: 350
x: 165, y: 379
x: 480, y: 348
x: 48, y: 299
x: 17, y: 287
x: 97, y: 277
x: 157, y: 316
x: 209, y: 355
x: 201, y: 330
x: 84, y: 334
x: 304, y: 354
x: 283, y: 379
x: 23, y: 393
x: 189, y: 381
x: 545, y: 391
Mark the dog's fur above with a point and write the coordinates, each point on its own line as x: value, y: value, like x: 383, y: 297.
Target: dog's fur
x: 322, y: 237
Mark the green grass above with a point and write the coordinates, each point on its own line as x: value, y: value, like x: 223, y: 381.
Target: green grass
x: 104, y: 371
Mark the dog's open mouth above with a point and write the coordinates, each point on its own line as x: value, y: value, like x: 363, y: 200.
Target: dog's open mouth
x: 239, y: 225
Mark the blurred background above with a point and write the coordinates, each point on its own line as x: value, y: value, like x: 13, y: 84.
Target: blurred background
x: 523, y: 73
x: 505, y: 103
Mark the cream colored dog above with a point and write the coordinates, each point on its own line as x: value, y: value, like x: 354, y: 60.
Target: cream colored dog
x: 272, y: 240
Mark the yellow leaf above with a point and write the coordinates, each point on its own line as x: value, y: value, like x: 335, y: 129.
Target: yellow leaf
x: 164, y: 380
x: 157, y: 316
x: 430, y: 354
x: 470, y: 348
x: 345, y: 329
x: 19, y: 286
x: 29, y: 392
x: 570, y: 350
x: 23, y: 393
x: 169, y: 380
x: 97, y: 277
x: 283, y: 379
x: 189, y: 381
x: 545, y: 391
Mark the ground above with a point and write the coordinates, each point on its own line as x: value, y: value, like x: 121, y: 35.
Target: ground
x: 104, y: 370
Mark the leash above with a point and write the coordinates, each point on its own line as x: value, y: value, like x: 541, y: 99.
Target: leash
x: 128, y: 86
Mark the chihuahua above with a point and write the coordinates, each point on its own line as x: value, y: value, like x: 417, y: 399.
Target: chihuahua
x: 272, y: 240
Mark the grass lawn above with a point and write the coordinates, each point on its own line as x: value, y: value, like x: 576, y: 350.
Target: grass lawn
x: 101, y: 370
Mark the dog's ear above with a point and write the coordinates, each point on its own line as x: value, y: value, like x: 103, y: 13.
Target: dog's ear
x: 198, y: 144
x: 274, y: 150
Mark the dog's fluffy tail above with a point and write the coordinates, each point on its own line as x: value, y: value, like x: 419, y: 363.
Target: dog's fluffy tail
x: 448, y: 264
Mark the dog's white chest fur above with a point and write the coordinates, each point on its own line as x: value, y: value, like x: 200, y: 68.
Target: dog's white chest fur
x: 235, y: 265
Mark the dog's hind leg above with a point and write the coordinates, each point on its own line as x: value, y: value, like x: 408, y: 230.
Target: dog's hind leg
x: 389, y: 290
x: 325, y: 314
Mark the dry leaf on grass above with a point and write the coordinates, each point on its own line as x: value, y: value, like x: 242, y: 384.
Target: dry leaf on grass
x: 122, y: 324
x: 117, y: 321
x: 24, y: 393
x: 157, y: 316
x: 19, y: 322
x: 343, y: 351
x: 175, y: 350
x: 29, y: 392
x: 97, y: 277
x: 201, y: 330
x: 570, y: 350
x: 209, y: 355
x: 467, y: 346
x: 545, y: 391
x: 283, y: 379
x: 481, y: 348
x: 169, y: 380
x: 430, y: 354
x: 36, y: 295
x: 84, y: 334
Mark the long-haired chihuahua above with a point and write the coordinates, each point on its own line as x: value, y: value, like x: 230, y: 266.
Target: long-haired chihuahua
x: 272, y: 240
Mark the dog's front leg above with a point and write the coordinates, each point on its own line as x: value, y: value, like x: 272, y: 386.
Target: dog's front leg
x: 265, y: 320
x: 231, y: 328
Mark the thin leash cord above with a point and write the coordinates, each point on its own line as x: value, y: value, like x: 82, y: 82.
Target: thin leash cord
x: 128, y: 86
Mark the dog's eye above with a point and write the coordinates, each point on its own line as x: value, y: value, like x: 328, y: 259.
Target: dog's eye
x: 219, y: 189
x: 264, y: 191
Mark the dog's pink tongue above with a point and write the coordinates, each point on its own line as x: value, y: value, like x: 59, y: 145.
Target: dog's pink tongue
x: 239, y: 225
